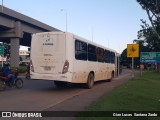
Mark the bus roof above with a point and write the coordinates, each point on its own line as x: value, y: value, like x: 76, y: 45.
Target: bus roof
x: 79, y: 38
x: 93, y: 43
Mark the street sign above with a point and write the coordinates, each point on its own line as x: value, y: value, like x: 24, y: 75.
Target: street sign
x: 1, y: 50
x: 150, y: 57
x: 132, y: 50
x: 2, y: 58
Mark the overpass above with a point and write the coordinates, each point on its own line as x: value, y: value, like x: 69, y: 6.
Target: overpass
x: 16, y: 29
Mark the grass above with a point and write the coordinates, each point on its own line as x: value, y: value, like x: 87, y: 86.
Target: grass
x: 139, y: 94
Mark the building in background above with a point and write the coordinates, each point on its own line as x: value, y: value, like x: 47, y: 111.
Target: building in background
x: 24, y: 57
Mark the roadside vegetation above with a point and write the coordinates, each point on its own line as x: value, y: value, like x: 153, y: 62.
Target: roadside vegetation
x: 139, y: 94
x: 21, y: 69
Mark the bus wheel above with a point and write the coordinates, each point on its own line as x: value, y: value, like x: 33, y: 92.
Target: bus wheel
x: 90, y: 81
x: 112, y: 76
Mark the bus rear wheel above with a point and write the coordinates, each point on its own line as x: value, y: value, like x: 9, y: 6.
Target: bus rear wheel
x: 90, y: 81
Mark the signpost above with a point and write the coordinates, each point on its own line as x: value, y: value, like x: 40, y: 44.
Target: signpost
x: 2, y: 53
x: 132, y: 51
x: 1, y: 50
x: 150, y: 57
x: 141, y: 67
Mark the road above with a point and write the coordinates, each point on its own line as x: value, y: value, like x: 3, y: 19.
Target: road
x: 38, y: 95
x: 35, y: 96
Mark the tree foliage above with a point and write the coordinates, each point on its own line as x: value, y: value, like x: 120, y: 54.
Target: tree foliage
x: 128, y: 61
x: 147, y: 39
x: 152, y: 7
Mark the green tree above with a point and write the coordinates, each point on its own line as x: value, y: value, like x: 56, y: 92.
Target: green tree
x: 128, y: 61
x: 124, y: 60
x: 147, y: 39
x: 152, y: 7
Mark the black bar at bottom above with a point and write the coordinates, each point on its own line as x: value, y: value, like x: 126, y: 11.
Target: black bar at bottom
x: 79, y: 113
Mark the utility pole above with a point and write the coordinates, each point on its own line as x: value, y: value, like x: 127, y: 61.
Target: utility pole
x: 92, y: 34
x: 2, y: 5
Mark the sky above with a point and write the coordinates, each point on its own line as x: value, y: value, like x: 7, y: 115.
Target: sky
x: 111, y: 23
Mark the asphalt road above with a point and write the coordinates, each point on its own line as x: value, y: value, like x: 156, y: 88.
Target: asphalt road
x: 38, y: 95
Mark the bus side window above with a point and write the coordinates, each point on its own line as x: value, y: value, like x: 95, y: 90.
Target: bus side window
x: 80, y: 50
x: 107, y: 56
x: 100, y: 55
x: 112, y: 56
x: 92, y: 53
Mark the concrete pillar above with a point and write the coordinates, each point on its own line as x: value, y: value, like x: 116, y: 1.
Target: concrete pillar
x: 14, y: 52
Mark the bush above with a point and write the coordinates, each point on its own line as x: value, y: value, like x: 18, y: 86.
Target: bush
x: 21, y: 69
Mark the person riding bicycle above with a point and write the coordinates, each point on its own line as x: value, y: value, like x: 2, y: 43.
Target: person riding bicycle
x: 7, y: 73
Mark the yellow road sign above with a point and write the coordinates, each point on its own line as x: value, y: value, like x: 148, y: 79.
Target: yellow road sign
x: 132, y: 50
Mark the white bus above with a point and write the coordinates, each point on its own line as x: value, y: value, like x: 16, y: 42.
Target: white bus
x: 67, y: 58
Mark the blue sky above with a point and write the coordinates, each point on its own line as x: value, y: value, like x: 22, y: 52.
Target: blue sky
x: 112, y: 23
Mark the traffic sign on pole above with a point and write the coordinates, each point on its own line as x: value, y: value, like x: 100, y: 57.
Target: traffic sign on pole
x: 2, y: 53
x: 132, y: 50
x: 150, y: 57
x: 1, y: 50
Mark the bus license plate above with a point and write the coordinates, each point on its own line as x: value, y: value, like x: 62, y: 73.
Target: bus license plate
x: 47, y: 68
